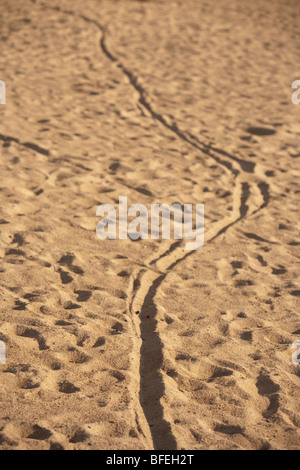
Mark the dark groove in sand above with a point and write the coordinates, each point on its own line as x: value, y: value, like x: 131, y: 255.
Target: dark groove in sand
x: 152, y: 388
x: 30, y: 145
x: 265, y: 192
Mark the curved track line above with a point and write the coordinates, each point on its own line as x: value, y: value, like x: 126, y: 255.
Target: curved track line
x: 146, y: 281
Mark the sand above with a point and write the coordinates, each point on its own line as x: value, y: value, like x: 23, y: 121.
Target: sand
x: 142, y: 345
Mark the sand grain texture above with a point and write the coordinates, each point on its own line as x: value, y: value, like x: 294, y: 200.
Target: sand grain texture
x: 142, y: 345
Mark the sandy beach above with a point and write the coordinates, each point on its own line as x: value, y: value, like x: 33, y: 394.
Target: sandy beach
x: 122, y: 344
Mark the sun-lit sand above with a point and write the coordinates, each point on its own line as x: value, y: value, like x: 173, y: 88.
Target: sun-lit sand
x: 142, y: 345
